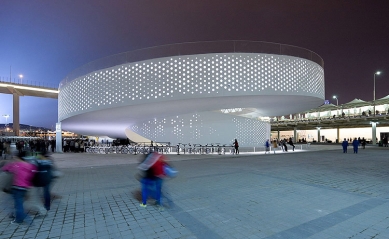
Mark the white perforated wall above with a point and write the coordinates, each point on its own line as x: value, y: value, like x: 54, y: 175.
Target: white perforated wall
x: 205, y: 128
x: 193, y: 76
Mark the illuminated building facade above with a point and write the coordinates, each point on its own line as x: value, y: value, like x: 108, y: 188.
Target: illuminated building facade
x: 199, y: 93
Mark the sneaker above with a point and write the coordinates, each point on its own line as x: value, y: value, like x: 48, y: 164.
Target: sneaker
x: 160, y: 208
x: 143, y: 205
x: 15, y: 222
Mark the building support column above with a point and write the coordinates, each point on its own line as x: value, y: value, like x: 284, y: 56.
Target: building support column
x: 16, y: 118
x: 58, y: 138
x: 295, y: 134
x: 278, y: 134
x: 338, y: 134
x: 373, y: 132
x: 318, y: 134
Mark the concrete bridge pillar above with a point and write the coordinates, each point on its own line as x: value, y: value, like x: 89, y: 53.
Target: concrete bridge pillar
x: 16, y: 114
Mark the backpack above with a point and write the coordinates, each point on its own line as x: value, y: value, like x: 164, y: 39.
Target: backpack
x: 43, y: 174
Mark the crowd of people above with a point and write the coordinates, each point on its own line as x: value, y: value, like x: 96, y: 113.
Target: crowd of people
x: 27, y: 178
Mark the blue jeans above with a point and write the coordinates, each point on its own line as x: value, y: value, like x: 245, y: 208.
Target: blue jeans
x: 46, y: 196
x: 19, y: 195
x: 151, y: 186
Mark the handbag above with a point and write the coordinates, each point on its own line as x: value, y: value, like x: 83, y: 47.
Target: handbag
x: 6, y: 180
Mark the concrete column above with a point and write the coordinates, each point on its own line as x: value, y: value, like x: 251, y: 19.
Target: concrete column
x: 318, y: 134
x: 295, y: 134
x: 338, y: 135
x: 16, y: 121
x: 58, y: 138
x: 373, y: 132
x: 278, y: 134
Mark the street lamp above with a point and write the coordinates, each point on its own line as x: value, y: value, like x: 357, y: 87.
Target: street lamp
x: 21, y: 78
x: 6, y: 119
x: 334, y: 97
x: 377, y: 73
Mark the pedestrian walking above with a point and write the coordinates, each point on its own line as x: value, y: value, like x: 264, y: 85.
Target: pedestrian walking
x: 267, y: 147
x: 23, y: 173
x: 355, y: 145
x: 275, y: 145
x: 236, y: 146
x: 345, y: 145
x: 153, y: 174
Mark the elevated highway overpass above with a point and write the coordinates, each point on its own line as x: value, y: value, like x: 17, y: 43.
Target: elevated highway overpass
x: 17, y: 90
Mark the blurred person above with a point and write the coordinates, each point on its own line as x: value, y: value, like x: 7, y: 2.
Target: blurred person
x: 363, y: 142
x: 355, y: 145
x: 275, y: 145
x: 345, y: 145
x: 267, y: 146
x: 71, y: 145
x: 1, y: 149
x: 290, y: 142
x: 76, y: 146
x: 236, y: 146
x: 23, y: 173
x: 7, y: 149
x: 42, y: 180
x: 152, y: 167
x: 82, y: 146
x: 52, y: 143
x: 284, y: 145
x: 279, y: 142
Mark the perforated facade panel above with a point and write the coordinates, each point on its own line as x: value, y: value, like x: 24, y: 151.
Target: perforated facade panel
x: 210, y: 75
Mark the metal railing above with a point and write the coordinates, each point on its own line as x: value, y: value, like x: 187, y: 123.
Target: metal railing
x: 16, y: 81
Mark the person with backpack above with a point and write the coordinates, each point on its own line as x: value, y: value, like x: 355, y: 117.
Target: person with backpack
x: 43, y: 177
x: 23, y: 174
x: 153, y: 174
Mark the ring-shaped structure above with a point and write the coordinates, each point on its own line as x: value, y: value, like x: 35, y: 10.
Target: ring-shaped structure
x: 192, y: 92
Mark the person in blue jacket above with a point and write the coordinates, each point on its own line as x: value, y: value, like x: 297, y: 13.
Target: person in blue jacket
x: 345, y: 145
x: 355, y: 145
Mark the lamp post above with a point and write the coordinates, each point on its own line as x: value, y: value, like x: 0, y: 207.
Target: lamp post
x: 376, y: 73
x: 334, y: 97
x: 6, y: 119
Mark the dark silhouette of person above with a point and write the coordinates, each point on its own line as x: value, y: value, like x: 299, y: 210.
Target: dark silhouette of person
x: 355, y: 145
x: 345, y: 145
x: 236, y: 146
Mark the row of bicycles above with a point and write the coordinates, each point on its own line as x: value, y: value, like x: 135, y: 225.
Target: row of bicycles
x: 213, y: 148
x: 180, y: 148
x: 128, y: 149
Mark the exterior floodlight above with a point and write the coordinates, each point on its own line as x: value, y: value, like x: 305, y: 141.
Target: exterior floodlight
x: 335, y: 97
x: 6, y: 119
x: 378, y: 72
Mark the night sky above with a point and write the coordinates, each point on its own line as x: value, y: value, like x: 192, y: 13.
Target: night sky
x: 46, y: 40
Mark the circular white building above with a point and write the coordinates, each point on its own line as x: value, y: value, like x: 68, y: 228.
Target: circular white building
x: 204, y: 92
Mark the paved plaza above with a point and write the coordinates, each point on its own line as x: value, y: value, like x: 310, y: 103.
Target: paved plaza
x: 317, y: 193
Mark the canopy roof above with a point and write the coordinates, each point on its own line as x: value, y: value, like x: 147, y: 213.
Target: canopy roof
x: 383, y: 100
x: 355, y: 103
x: 325, y: 107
